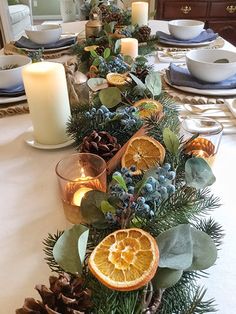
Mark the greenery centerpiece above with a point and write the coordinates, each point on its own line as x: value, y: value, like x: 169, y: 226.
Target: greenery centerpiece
x: 144, y: 244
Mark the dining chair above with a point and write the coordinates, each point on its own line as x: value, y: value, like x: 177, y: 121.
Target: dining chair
x: 14, y: 19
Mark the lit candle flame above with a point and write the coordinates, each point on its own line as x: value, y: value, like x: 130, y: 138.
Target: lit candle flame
x: 79, y: 194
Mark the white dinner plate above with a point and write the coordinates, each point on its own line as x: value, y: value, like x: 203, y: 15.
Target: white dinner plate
x: 8, y: 100
x: 30, y: 140
x: 207, y: 92
x: 182, y: 44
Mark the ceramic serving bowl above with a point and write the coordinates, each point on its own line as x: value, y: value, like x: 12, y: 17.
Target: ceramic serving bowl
x: 210, y: 65
x: 185, y: 29
x: 44, y: 34
x: 11, y: 70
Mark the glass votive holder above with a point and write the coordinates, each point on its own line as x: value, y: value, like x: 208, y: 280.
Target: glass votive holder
x: 78, y: 174
x: 208, y: 134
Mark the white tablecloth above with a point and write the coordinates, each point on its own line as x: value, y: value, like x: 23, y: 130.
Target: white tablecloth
x: 30, y: 208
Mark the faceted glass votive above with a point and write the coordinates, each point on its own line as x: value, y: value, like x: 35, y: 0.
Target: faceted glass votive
x: 78, y: 174
x: 208, y: 132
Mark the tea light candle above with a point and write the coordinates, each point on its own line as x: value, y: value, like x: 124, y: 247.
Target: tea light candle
x: 47, y: 96
x: 129, y: 47
x: 139, y: 13
x: 79, y: 194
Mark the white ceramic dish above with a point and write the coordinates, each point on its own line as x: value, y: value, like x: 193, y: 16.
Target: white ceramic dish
x: 44, y: 34
x: 205, y: 43
x: 201, y: 64
x: 204, y: 92
x: 12, y: 77
x: 29, y: 139
x: 8, y: 100
x: 185, y: 29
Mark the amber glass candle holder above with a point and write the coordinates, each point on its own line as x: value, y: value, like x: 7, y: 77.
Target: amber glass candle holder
x: 208, y: 132
x: 78, y: 174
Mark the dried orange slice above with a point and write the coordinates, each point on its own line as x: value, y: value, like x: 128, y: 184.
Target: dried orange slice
x: 90, y: 48
x: 147, y: 107
x: 116, y: 79
x: 143, y: 152
x: 125, y: 260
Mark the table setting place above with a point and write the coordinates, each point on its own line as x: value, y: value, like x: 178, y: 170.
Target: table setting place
x: 133, y: 167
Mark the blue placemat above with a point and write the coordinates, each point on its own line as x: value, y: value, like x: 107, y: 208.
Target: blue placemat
x: 24, y: 42
x: 181, y: 77
x: 204, y: 36
x: 13, y: 91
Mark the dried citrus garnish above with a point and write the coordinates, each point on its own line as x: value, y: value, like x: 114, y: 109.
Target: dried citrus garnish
x: 90, y: 48
x: 147, y: 107
x: 116, y: 79
x: 143, y: 152
x: 125, y: 260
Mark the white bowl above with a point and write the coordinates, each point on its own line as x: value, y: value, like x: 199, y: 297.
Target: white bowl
x: 44, y: 34
x: 201, y: 64
x: 12, y: 77
x: 185, y: 29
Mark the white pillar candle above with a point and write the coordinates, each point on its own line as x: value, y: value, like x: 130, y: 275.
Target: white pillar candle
x: 139, y: 13
x: 47, y: 96
x: 129, y: 47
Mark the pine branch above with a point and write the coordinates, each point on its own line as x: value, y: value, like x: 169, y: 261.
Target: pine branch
x: 49, y: 243
x: 212, y: 228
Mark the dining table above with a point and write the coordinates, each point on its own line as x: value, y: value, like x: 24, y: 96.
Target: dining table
x: 31, y: 207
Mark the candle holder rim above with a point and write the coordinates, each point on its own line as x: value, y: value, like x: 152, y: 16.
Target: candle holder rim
x: 221, y: 127
x: 76, y: 154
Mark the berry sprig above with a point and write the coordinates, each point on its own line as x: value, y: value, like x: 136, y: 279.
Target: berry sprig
x: 143, y: 201
x: 127, y: 116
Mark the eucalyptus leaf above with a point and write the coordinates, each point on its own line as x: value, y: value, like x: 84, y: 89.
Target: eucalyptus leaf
x: 127, y: 59
x: 107, y: 207
x: 110, y: 97
x: 139, y: 185
x: 94, y: 54
x: 171, y: 141
x: 204, y: 250
x: 153, y: 83
x: 69, y: 250
x: 117, y: 45
x: 96, y: 61
x: 97, y: 83
x: 137, y: 81
x: 90, y: 207
x: 175, y: 247
x: 166, y: 277
x: 120, y: 180
x: 106, y: 53
x: 198, y: 173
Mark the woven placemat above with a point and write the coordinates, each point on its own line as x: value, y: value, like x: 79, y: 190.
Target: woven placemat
x: 10, y: 49
x: 13, y: 108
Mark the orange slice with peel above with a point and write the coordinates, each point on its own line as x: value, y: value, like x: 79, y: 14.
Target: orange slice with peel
x: 143, y: 152
x: 125, y: 260
x: 116, y: 79
x: 147, y: 107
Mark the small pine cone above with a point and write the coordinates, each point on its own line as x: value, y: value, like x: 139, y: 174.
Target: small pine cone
x: 100, y: 143
x: 66, y: 295
x: 99, y: 50
x: 141, y: 73
x: 143, y: 33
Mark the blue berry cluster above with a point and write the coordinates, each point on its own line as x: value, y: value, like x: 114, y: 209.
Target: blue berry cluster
x: 156, y: 189
x: 126, y: 115
x: 115, y: 64
x: 160, y: 185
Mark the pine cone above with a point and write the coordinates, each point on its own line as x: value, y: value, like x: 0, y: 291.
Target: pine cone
x: 143, y: 33
x: 141, y: 73
x: 100, y: 143
x: 99, y: 50
x: 66, y: 295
